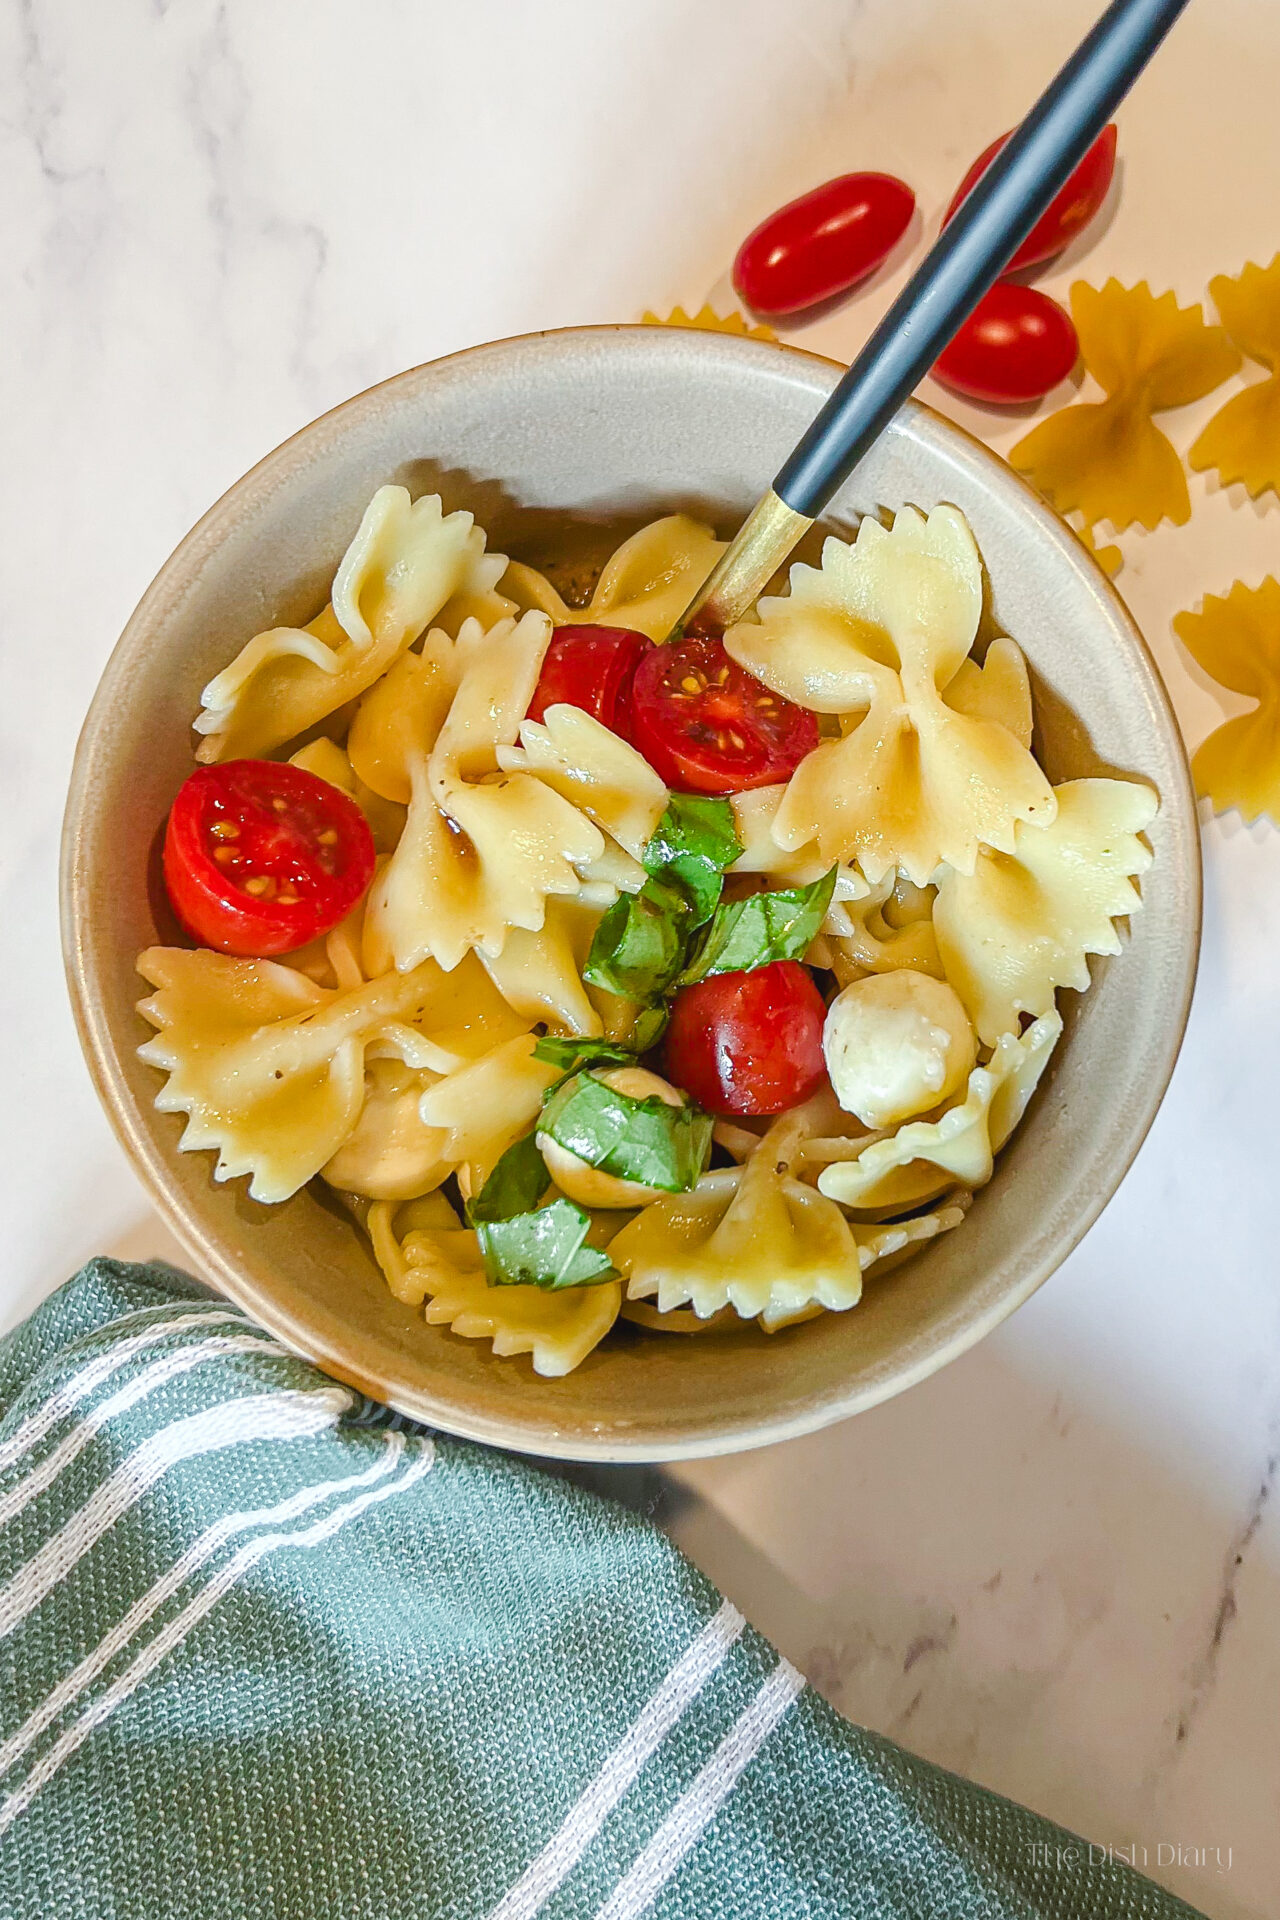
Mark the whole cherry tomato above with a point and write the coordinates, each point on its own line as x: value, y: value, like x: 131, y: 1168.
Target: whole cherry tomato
x: 823, y: 243
x: 708, y: 726
x: 1066, y: 215
x: 591, y: 668
x: 260, y: 857
x: 748, y: 1042
x: 1016, y: 345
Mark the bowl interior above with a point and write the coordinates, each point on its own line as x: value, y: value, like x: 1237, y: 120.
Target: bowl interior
x: 609, y: 426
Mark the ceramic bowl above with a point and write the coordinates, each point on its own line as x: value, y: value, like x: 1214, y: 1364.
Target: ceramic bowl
x: 609, y: 426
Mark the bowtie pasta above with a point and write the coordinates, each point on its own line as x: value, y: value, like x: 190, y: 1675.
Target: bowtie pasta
x: 610, y: 977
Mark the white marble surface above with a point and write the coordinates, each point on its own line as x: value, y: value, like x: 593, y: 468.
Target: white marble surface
x: 1056, y: 1565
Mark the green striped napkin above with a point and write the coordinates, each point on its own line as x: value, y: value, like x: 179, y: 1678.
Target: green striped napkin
x: 268, y: 1650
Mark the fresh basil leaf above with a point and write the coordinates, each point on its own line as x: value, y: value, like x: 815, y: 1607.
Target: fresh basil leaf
x: 575, y: 1054
x: 761, y: 929
x: 639, y: 944
x: 546, y: 1249
x: 516, y: 1185
x: 646, y: 1140
x: 692, y: 845
x: 651, y: 1024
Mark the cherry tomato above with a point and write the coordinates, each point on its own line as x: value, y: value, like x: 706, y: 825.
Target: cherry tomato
x: 748, y: 1042
x: 591, y: 668
x: 708, y: 726
x: 260, y: 857
x: 823, y: 243
x: 1065, y: 216
x: 1017, y: 344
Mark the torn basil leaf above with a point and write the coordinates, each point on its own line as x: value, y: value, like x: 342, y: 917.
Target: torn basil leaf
x: 572, y: 1054
x: 515, y: 1186
x: 546, y: 1249
x: 639, y: 944
x: 692, y: 845
x: 651, y: 1024
x: 646, y: 1140
x: 763, y: 928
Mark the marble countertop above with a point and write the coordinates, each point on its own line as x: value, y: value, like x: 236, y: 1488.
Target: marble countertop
x: 1056, y: 1565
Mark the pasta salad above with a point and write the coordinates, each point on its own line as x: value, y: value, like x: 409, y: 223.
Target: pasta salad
x: 607, y: 974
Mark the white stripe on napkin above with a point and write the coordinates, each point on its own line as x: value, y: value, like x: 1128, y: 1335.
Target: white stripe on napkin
x: 282, y: 1415
x: 169, y: 1367
x: 566, y: 1847
x: 64, y: 1398
x: 698, y: 1806
x: 177, y: 1629
x: 74, y: 1683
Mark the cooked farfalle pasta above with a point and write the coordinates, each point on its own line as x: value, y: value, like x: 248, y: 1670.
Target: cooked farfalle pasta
x: 479, y: 855
x: 1022, y: 924
x: 540, y: 974
x: 1242, y: 441
x: 407, y: 561
x: 749, y: 1237
x: 876, y: 634
x: 515, y: 921
x: 998, y: 690
x: 925, y: 1158
x: 601, y: 775
x: 487, y: 1104
x: 390, y: 1153
x: 880, y: 932
x: 333, y: 763
x: 1107, y: 458
x: 437, y: 1265
x: 646, y: 586
x: 754, y: 813
x: 757, y: 1239
x: 1235, y: 637
x: 269, y: 1067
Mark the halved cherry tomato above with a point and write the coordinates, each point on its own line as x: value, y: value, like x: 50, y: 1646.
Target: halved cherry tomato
x: 823, y: 243
x: 748, y: 1042
x: 591, y: 668
x: 260, y: 857
x: 1016, y: 345
x: 1066, y: 215
x: 708, y: 726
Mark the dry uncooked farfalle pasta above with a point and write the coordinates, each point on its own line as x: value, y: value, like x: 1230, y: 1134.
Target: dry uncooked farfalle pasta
x: 1107, y: 459
x: 1242, y: 441
x: 877, y: 634
x: 707, y: 320
x: 924, y: 1158
x: 1022, y: 923
x: 1109, y: 558
x: 1236, y: 639
x: 646, y: 585
x: 429, y: 1261
x: 407, y: 562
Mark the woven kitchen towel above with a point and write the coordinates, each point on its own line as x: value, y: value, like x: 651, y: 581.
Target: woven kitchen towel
x: 268, y: 1650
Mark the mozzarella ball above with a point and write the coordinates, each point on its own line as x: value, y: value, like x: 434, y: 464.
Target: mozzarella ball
x: 897, y: 1044
x: 577, y: 1179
